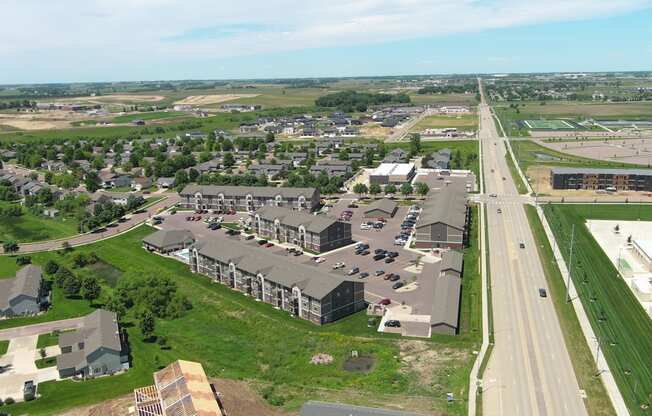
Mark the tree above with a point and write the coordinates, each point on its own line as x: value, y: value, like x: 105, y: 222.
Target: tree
x: 406, y: 189
x: 146, y: 323
x: 10, y: 246
x: 360, y: 188
x: 229, y: 161
x: 51, y: 267
x: 90, y: 288
x: 71, y: 286
x: 92, y: 181
x: 422, y: 188
x: 162, y: 341
x: 42, y: 352
x: 374, y: 189
x: 114, y: 304
x: 390, y: 189
x: 415, y: 144
x: 23, y: 260
x: 60, y: 276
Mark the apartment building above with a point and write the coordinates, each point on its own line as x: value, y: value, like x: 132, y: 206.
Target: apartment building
x: 303, y: 291
x: 443, y: 220
x: 315, y: 233
x: 604, y: 179
x: 247, y: 198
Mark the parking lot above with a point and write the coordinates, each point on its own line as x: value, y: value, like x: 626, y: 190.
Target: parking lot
x: 416, y: 295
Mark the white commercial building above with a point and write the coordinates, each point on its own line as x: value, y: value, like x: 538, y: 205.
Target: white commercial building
x: 643, y: 251
x: 394, y: 173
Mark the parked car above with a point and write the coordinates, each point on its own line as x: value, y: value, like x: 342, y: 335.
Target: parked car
x: 394, y: 278
x: 250, y: 237
x: 389, y: 276
x: 393, y: 323
x: 379, y: 256
x: 397, y: 285
x: 352, y: 205
x: 385, y: 301
x: 364, y: 253
x: 261, y: 242
x: 214, y: 226
x: 29, y: 390
x: 389, y: 260
x: 392, y: 254
x: 338, y: 265
x: 379, y: 272
x: 363, y: 275
x: 379, y: 250
x: 319, y: 259
x: 353, y: 271
x: 268, y: 245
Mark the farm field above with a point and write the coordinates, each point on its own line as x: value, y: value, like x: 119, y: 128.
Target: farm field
x: 616, y: 316
x: 463, y: 122
x: 235, y: 337
x: 29, y: 227
x: 154, y: 115
x: 213, y: 98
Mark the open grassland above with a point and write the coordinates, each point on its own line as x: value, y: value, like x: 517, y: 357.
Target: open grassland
x: 444, y: 99
x: 529, y: 153
x: 29, y: 227
x: 616, y: 316
x: 4, y: 345
x: 570, y: 111
x: 597, y: 401
x: 235, y: 337
x: 461, y: 122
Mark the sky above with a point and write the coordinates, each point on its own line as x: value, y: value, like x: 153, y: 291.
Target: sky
x: 47, y: 41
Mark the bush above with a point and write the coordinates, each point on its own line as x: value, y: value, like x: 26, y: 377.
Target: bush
x: 23, y: 260
x: 9, y: 400
x: 51, y: 267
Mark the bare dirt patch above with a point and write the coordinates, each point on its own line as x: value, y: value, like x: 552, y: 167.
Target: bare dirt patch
x: 213, y: 99
x: 41, y: 119
x: 425, y: 362
x: 113, y: 99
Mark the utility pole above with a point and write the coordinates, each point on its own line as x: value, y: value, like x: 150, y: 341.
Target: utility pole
x: 570, y: 265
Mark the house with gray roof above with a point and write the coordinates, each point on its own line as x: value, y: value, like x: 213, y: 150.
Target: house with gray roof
x: 304, y: 291
x: 440, y: 159
x: 444, y: 317
x: 267, y: 169
x: 24, y: 294
x: 247, y: 198
x: 316, y: 408
x: 443, y: 220
x: 168, y: 241
x: 165, y: 182
x: 317, y: 233
x: 397, y: 155
x: 97, y: 348
x: 385, y: 208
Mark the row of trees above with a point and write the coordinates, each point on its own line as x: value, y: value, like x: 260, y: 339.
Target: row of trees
x: 471, y: 87
x: 406, y: 189
x: 350, y: 101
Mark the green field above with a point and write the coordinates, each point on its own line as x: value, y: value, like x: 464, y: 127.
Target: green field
x: 617, y: 318
x: 529, y: 153
x: 47, y: 340
x: 29, y: 227
x: 597, y: 401
x: 154, y: 115
x: 235, y: 337
x: 462, y: 122
x: 4, y: 345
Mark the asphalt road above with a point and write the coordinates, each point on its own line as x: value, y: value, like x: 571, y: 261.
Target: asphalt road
x: 529, y: 371
x: 42, y: 328
x: 110, y: 231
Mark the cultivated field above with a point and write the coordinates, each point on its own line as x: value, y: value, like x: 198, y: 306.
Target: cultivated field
x: 110, y: 99
x: 617, y: 318
x: 213, y: 99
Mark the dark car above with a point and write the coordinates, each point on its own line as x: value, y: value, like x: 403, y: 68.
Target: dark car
x: 379, y: 272
x: 297, y: 253
x: 29, y: 390
x: 397, y: 285
x: 379, y: 250
x: 392, y: 254
x: 385, y: 302
x: 353, y: 271
x: 522, y: 245
x: 363, y: 275
x: 543, y: 293
x: 261, y: 242
x: 215, y: 226
x: 364, y: 253
x: 388, y: 276
x: 393, y: 323
x: 394, y: 278
x: 380, y: 256
x: 389, y: 260
x: 352, y: 206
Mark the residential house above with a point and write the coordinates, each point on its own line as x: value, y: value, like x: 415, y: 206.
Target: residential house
x: 140, y: 184
x: 24, y: 294
x: 168, y: 241
x: 165, y: 182
x: 397, y: 155
x: 97, y: 348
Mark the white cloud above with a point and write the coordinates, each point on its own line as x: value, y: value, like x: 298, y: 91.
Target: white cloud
x: 124, y: 31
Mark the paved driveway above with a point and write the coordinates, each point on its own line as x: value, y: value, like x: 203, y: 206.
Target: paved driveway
x: 17, y: 366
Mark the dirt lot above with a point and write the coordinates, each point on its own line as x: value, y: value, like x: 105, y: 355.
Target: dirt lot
x: 238, y: 397
x: 113, y: 99
x: 213, y: 99
x: 635, y: 151
x: 54, y: 119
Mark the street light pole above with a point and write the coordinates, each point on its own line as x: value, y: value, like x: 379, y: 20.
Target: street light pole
x: 570, y: 264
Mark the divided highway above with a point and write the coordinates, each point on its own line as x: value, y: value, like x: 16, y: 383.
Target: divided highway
x: 529, y: 371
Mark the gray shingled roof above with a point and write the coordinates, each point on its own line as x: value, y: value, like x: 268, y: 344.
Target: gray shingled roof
x: 385, y: 205
x: 99, y: 330
x: 166, y: 238
x: 313, y: 223
x: 311, y: 280
x: 446, y: 299
x: 452, y: 260
x: 242, y: 191
x: 27, y: 282
x: 314, y: 408
x: 447, y: 206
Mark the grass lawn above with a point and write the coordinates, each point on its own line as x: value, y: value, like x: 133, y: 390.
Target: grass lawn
x: 8, y: 267
x: 520, y: 186
x: 529, y: 153
x: 154, y: 115
x: 471, y: 304
x: 461, y: 122
x: 47, y: 340
x: 29, y: 227
x: 616, y: 316
x: 46, y: 362
x: 469, y: 151
x: 597, y: 401
x: 4, y: 345
x: 235, y: 337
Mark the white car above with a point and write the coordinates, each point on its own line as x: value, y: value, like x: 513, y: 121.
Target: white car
x: 319, y: 259
x: 338, y: 265
x: 365, y: 226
